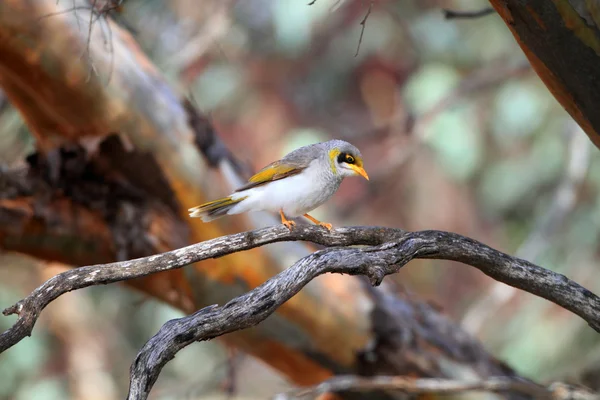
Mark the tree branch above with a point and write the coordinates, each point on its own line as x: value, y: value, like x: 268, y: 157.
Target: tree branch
x: 392, y: 249
x: 556, y: 391
x: 549, y: 33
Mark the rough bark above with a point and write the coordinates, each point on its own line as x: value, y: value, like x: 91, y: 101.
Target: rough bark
x: 388, y: 251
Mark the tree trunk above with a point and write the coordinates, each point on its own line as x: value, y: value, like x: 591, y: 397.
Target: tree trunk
x: 561, y: 39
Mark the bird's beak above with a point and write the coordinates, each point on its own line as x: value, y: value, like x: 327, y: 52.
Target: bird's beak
x: 359, y: 171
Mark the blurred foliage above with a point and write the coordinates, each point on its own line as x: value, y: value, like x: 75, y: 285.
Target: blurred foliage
x: 277, y: 74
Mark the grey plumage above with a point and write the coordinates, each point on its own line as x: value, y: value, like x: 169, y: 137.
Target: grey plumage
x: 302, y: 156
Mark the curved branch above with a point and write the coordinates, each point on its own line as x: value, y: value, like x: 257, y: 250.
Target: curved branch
x: 29, y: 308
x: 392, y: 249
x: 374, y: 262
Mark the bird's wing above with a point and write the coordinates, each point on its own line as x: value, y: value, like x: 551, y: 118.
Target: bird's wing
x: 272, y: 172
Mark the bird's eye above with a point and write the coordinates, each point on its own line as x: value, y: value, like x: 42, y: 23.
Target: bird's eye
x: 346, y: 158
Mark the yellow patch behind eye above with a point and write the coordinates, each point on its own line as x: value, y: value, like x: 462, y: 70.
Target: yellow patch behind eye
x: 333, y: 155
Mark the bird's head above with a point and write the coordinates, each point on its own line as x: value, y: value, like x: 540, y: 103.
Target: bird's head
x: 345, y: 159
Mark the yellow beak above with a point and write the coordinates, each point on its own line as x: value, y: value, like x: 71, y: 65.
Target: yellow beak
x: 359, y: 171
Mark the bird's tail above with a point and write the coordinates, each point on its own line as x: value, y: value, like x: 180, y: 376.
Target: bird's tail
x: 214, y: 209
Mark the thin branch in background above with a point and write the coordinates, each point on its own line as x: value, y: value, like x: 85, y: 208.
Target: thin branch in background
x: 98, y: 13
x: 545, y: 228
x: 75, y: 14
x: 89, y: 40
x: 363, y: 24
x: 101, y: 14
x: 231, y: 364
x: 453, y: 14
x: 108, y: 44
x: 438, y: 387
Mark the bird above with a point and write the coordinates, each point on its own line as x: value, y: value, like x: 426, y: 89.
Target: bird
x: 293, y: 186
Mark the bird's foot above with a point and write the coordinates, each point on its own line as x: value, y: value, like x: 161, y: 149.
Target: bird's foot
x: 289, y: 224
x: 326, y: 225
x: 317, y: 222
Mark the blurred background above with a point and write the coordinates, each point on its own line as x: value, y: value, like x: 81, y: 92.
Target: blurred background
x: 457, y: 132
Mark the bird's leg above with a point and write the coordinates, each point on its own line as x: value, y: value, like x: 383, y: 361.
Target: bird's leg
x: 316, y: 221
x: 287, y: 222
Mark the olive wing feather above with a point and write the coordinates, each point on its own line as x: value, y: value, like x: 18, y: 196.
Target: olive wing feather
x: 272, y: 172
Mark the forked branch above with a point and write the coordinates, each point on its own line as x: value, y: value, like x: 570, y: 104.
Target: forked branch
x: 386, y: 251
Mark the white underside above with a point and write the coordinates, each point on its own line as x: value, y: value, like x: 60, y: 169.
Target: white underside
x: 295, y: 195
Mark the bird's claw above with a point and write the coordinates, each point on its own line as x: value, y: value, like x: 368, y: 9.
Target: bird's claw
x: 326, y: 225
x: 289, y: 224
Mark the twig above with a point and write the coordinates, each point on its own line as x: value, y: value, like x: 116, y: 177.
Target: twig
x: 229, y: 384
x: 363, y: 25
x: 452, y: 14
x: 96, y: 14
x: 393, y: 248
x: 437, y: 386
